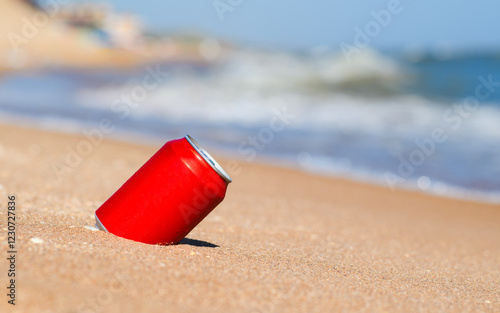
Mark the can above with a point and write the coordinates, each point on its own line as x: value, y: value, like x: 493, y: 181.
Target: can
x: 167, y: 197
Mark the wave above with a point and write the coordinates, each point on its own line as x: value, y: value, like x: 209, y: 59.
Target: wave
x: 367, y: 73
x: 353, y: 119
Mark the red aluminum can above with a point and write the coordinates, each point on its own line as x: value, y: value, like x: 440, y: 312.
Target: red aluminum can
x: 167, y: 197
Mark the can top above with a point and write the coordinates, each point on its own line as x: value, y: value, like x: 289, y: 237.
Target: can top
x: 209, y: 159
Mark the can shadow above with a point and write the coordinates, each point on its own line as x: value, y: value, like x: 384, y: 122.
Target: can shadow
x: 197, y: 243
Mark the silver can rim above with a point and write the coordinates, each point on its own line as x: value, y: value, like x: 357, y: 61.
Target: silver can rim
x: 209, y: 159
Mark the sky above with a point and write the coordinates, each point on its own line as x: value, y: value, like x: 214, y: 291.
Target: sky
x: 299, y: 24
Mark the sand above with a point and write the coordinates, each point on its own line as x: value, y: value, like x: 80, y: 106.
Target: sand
x: 282, y: 241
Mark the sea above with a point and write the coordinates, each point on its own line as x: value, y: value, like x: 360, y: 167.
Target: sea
x: 422, y: 121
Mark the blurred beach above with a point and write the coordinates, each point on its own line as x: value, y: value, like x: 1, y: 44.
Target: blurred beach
x: 369, y: 116
x: 361, y: 119
x: 362, y: 182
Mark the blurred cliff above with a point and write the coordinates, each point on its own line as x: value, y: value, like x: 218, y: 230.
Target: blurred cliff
x: 81, y: 36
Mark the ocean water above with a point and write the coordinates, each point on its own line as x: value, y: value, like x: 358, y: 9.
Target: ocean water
x: 418, y: 121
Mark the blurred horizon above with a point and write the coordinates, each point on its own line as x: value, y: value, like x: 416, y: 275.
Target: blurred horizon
x: 423, y: 26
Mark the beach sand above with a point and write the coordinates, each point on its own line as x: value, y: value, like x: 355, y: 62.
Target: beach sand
x: 282, y: 241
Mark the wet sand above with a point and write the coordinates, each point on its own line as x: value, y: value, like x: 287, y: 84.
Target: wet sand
x: 282, y: 241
